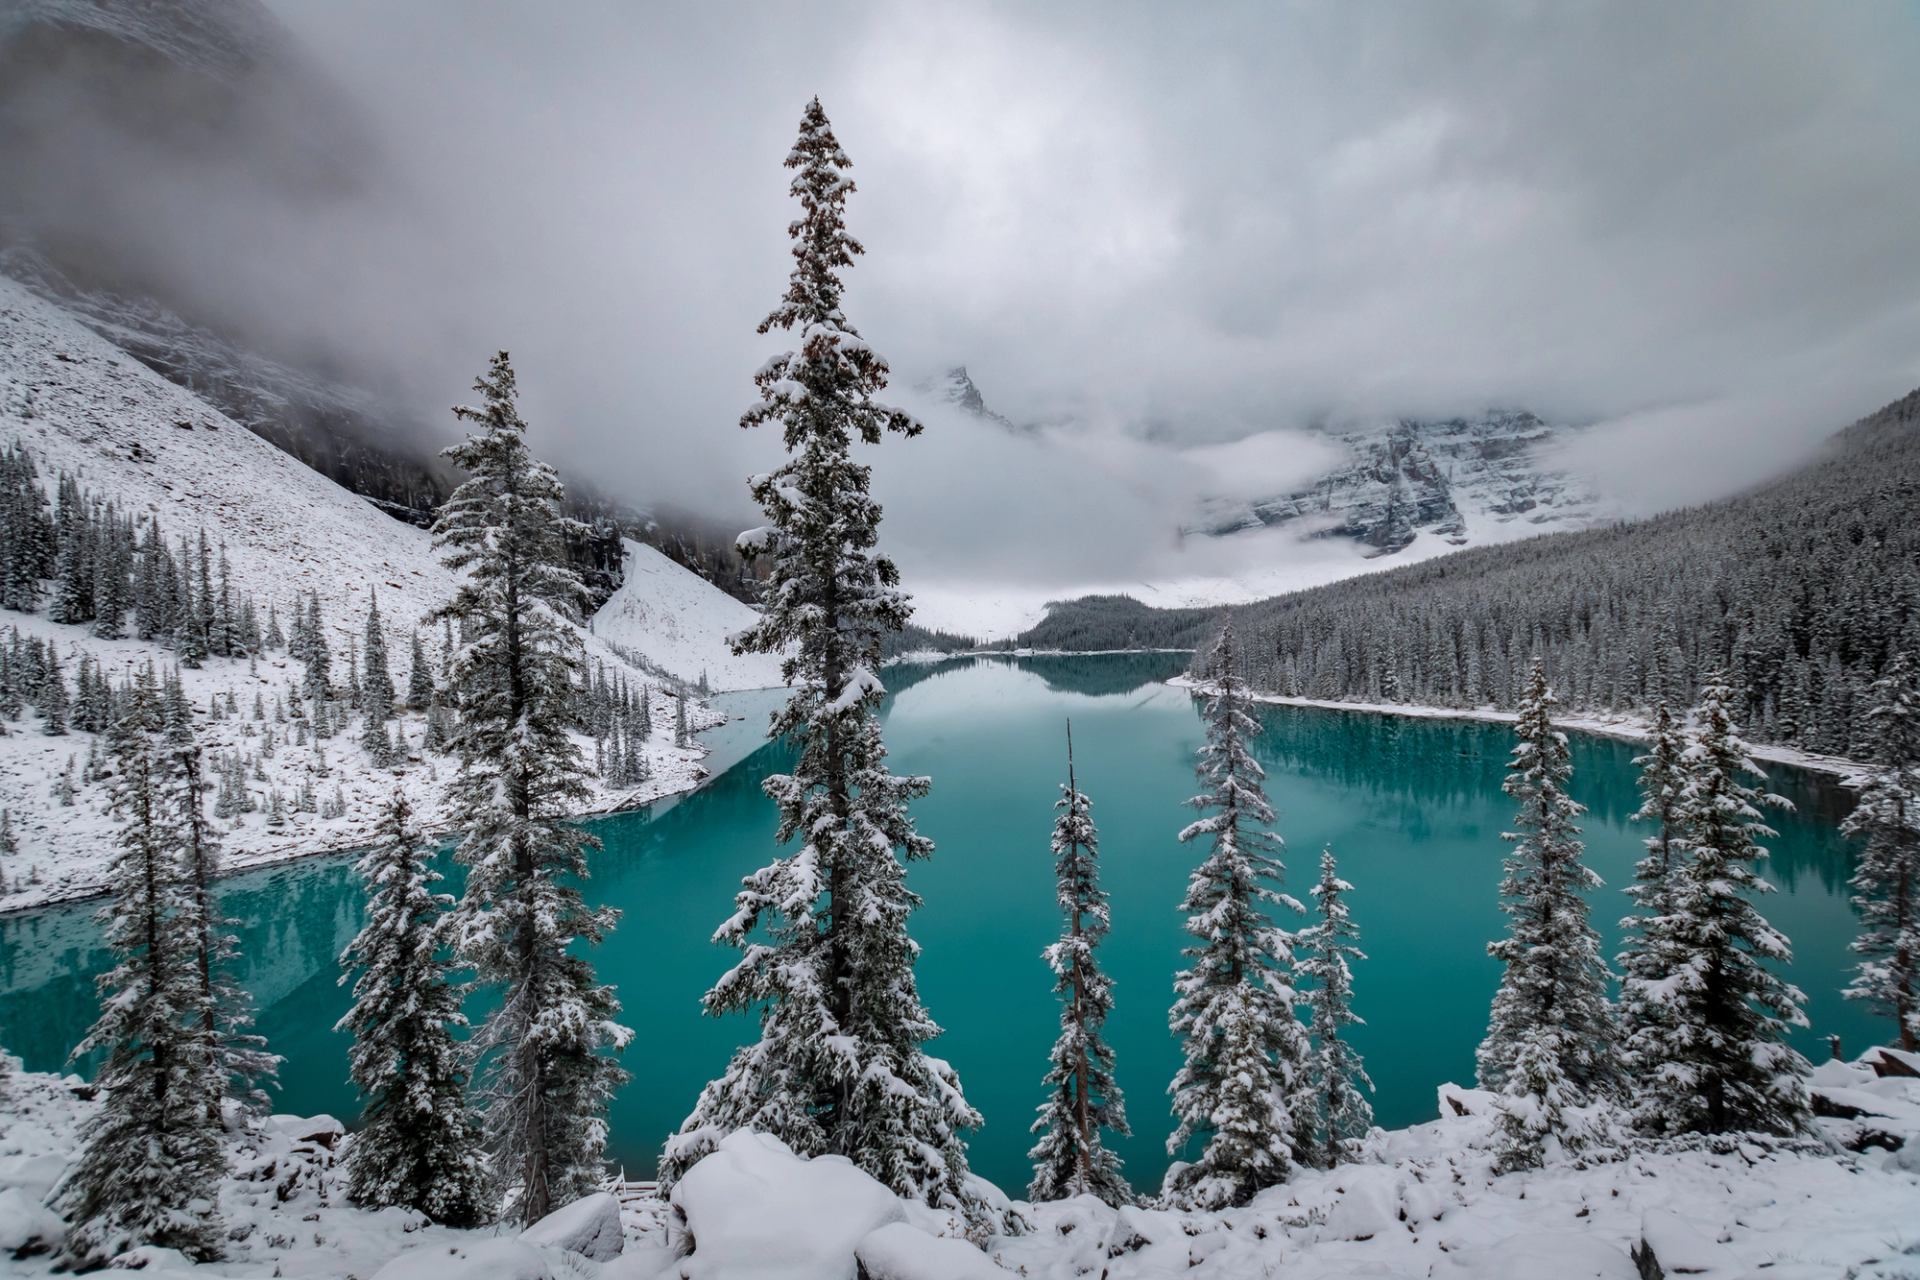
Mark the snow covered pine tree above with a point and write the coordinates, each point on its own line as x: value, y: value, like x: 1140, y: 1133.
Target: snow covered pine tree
x: 151, y: 1156
x: 1715, y: 1059
x: 1648, y: 955
x: 1551, y: 1007
x: 376, y: 690
x: 839, y: 1066
x: 420, y: 1143
x: 546, y: 1076
x: 1886, y: 883
x: 1342, y: 1113
x: 237, y: 1061
x: 1083, y: 1098
x: 1242, y: 1085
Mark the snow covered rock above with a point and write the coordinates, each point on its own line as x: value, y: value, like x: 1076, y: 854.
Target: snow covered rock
x: 309, y: 1131
x: 1370, y: 1206
x: 1457, y: 1102
x: 1136, y: 1227
x: 590, y: 1227
x: 757, y: 1211
x: 26, y: 1225
x: 901, y: 1252
x: 1888, y: 1061
x: 1672, y: 1246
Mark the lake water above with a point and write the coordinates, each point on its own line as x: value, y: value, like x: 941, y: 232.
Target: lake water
x: 1413, y: 808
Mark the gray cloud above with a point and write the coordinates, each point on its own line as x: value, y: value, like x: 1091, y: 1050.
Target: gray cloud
x: 1689, y: 224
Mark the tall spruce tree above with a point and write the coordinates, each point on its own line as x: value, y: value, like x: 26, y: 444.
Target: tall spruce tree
x: 547, y: 1076
x: 828, y: 966
x: 237, y: 1060
x: 376, y: 689
x: 1342, y: 1114
x: 1886, y: 882
x: 420, y: 1144
x: 1715, y: 1060
x: 1552, y: 974
x: 150, y: 1157
x: 419, y: 677
x: 53, y: 696
x: 1083, y: 1097
x: 1648, y: 957
x: 1242, y: 1086
x: 319, y: 659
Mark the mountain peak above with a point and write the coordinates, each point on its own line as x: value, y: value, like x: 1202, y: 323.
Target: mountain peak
x: 956, y: 387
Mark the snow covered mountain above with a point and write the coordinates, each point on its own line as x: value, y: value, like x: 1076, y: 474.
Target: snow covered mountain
x: 81, y: 406
x: 1457, y: 479
x: 1447, y: 477
x: 956, y: 387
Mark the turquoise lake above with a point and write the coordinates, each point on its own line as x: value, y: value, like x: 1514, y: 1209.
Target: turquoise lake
x: 1412, y: 808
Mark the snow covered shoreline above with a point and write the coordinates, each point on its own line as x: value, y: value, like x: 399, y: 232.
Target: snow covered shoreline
x: 240, y: 860
x: 1629, y: 727
x: 928, y: 657
x: 1422, y: 1203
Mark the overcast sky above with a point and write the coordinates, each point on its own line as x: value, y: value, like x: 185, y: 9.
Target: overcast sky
x: 1168, y: 225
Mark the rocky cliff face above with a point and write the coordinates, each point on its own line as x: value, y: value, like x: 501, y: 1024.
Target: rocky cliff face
x: 1444, y: 477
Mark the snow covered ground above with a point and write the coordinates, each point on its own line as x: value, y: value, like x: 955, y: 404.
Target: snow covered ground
x: 1622, y: 725
x: 1424, y: 1204
x: 80, y: 405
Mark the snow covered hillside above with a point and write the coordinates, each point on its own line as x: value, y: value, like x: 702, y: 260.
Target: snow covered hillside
x: 681, y: 623
x: 1422, y: 1204
x: 81, y: 406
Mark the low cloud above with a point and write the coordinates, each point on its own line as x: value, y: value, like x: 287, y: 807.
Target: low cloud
x: 1181, y: 237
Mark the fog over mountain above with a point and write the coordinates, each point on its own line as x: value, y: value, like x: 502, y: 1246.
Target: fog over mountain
x: 1167, y: 245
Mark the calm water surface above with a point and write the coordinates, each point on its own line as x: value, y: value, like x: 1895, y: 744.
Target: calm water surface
x: 1413, y: 808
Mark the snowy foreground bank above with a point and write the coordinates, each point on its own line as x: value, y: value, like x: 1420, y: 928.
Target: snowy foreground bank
x: 1632, y: 727
x: 1844, y: 1204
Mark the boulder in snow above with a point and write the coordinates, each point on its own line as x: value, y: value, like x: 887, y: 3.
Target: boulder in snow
x: 1888, y: 1061
x: 310, y: 1131
x: 901, y: 1252
x: 590, y: 1227
x: 26, y: 1225
x: 757, y: 1211
x: 1672, y: 1246
x: 1457, y: 1100
x: 1369, y: 1204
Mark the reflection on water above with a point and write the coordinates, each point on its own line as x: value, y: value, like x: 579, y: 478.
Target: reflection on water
x: 1413, y: 807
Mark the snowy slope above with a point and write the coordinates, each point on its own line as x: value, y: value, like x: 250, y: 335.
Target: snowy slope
x: 81, y: 405
x: 680, y: 622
